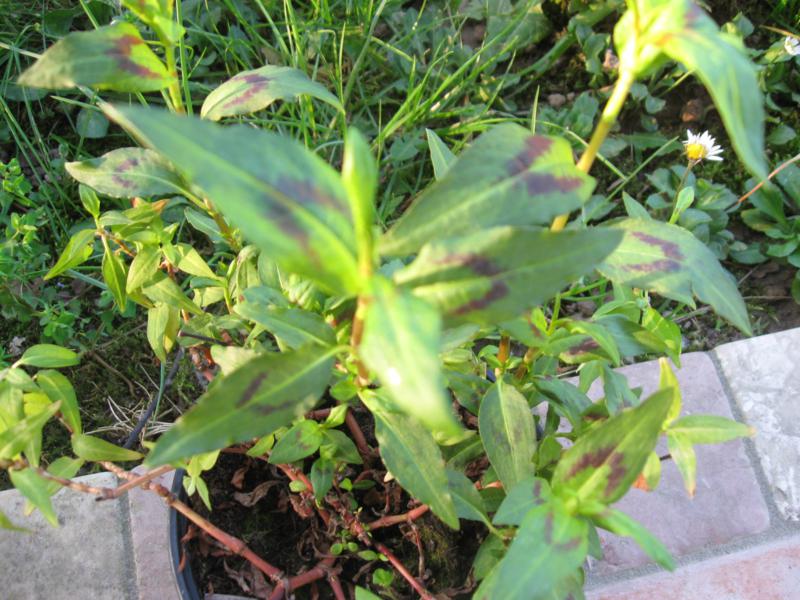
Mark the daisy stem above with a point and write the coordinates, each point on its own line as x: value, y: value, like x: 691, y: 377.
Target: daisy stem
x: 682, y: 183
x: 607, y: 120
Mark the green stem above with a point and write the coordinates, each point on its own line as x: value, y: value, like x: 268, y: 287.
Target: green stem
x: 607, y: 120
x: 673, y: 216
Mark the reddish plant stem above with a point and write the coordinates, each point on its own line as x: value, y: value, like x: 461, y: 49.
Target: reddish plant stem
x: 323, y: 568
x: 390, y: 520
x: 364, y: 450
x: 336, y: 586
x: 296, y: 475
x: 412, y: 581
x: 132, y: 480
x: 233, y: 544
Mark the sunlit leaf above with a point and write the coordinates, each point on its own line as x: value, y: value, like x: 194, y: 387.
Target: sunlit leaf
x: 508, y: 433
x: 670, y: 261
x: 506, y: 177
x: 683, y: 454
x: 34, y: 487
x: 709, y: 429
x: 113, y: 57
x: 265, y: 393
x: 302, y: 440
x: 127, y: 173
x: 402, y: 337
x: 412, y: 456
x: 604, y: 462
x: 16, y: 438
x: 249, y: 91
x: 59, y: 389
x: 89, y: 447
x: 48, y: 356
x: 285, y: 199
x: 441, y: 156
x: 77, y: 251
x: 494, y: 275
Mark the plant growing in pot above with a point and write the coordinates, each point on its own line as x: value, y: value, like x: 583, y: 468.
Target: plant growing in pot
x: 406, y: 361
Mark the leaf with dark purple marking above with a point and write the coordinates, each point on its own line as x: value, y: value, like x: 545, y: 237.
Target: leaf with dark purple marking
x: 127, y: 173
x: 114, y: 57
x: 548, y: 549
x: 284, y: 198
x: 508, y: 433
x: 249, y: 91
x: 262, y: 395
x: 494, y: 275
x: 506, y: 177
x: 401, y: 343
x: 604, y: 462
x: 670, y: 261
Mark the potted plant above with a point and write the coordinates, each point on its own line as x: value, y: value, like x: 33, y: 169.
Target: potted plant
x: 406, y: 362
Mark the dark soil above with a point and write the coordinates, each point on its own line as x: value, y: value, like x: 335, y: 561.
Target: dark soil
x: 287, y: 532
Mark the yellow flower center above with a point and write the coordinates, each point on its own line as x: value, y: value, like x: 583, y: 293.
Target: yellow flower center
x: 695, y: 151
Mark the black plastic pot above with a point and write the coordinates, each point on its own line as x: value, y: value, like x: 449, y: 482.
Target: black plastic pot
x: 187, y: 587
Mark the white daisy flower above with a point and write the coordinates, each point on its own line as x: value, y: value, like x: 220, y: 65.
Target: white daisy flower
x: 792, y: 45
x: 702, y: 147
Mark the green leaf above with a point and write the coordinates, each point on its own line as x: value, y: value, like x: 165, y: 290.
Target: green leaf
x: 59, y: 389
x: 604, y: 462
x: 264, y: 394
x: 15, y: 439
x: 127, y: 173
x: 506, y: 177
x: 48, y: 356
x: 170, y: 293
x: 96, y: 449
x: 360, y: 179
x: 709, y: 429
x: 441, y: 156
x: 6, y: 523
x: 487, y: 277
x: 285, y: 199
x: 144, y: 268
x: 526, y: 495
x: 621, y: 524
x: 114, y: 57
x: 412, y: 456
x: 468, y: 502
x: 401, y: 341
x: 489, y: 554
x: 337, y: 446
x: 670, y: 261
x: 189, y: 261
x: 89, y: 200
x: 115, y: 275
x: 302, y: 440
x: 293, y: 327
x: 682, y: 452
x: 34, y: 487
x: 77, y: 251
x: 508, y: 433
x: 249, y: 91
x: 321, y: 477
x: 163, y: 322
x: 364, y: 594
x: 549, y: 547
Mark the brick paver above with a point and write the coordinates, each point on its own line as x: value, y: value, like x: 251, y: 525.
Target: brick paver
x: 728, y: 503
x: 766, y: 572
x: 764, y: 378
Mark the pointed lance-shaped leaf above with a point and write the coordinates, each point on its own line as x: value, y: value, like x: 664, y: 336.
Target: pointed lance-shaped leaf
x: 114, y: 57
x: 506, y: 177
x: 401, y: 341
x: 285, y: 199
x: 262, y: 395
x: 410, y: 453
x: 494, y: 275
x: 547, y: 550
x: 508, y: 433
x: 250, y: 91
x: 127, y: 173
x: 603, y: 463
x: 670, y: 261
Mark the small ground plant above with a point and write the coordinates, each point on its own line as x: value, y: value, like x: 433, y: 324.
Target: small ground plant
x: 424, y: 354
